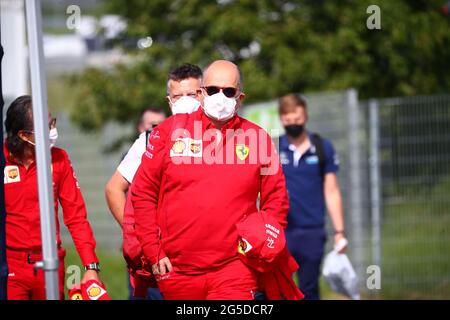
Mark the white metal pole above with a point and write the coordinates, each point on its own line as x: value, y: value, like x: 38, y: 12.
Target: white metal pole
x: 375, y: 180
x: 50, y: 261
x: 355, y: 194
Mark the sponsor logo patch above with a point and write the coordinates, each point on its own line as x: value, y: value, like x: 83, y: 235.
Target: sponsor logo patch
x: 186, y: 147
x: 12, y: 174
x: 154, y: 135
x: 244, y: 246
x: 312, y: 160
x: 284, y: 158
x: 336, y: 160
x: 77, y: 296
x: 195, y: 147
x: 95, y: 292
x: 148, y: 154
x: 178, y: 147
x: 270, y: 243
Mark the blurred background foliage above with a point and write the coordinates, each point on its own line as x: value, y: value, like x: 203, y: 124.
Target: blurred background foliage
x: 280, y: 46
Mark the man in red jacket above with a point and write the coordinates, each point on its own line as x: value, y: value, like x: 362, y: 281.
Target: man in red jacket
x: 201, y: 174
x: 23, y: 233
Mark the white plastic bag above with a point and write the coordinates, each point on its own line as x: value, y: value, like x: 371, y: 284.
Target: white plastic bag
x: 339, y: 273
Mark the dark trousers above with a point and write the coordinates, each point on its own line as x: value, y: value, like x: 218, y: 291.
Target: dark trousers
x: 152, y: 293
x: 307, y: 247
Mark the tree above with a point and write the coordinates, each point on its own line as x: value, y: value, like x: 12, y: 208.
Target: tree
x: 280, y: 46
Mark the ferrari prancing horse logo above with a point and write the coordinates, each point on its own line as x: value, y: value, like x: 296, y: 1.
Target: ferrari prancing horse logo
x: 242, y: 151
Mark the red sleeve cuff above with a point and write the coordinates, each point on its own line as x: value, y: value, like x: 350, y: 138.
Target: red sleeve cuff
x: 153, y: 255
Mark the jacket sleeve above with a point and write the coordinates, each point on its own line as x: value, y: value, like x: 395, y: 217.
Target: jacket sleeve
x: 74, y: 213
x: 145, y: 195
x: 273, y: 192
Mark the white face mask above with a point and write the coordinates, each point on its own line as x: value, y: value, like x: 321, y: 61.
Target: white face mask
x: 53, y: 136
x: 219, y: 107
x: 185, y: 105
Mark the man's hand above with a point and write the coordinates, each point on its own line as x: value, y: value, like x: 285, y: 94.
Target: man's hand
x: 162, y: 267
x: 338, y: 237
x: 90, y: 275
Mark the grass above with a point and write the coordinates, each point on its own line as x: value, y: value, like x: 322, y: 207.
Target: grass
x: 415, y: 258
x: 416, y: 247
x: 113, y: 271
x: 327, y: 294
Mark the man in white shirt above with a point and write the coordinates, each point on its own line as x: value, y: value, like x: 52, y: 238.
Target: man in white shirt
x: 118, y: 185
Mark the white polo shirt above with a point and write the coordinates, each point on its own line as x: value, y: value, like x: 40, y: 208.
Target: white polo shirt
x: 129, y: 165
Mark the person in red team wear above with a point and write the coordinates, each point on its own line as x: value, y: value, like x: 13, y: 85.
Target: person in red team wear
x: 23, y: 234
x: 203, y: 173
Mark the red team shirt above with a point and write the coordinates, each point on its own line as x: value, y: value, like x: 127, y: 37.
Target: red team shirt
x: 22, y: 206
x: 189, y: 211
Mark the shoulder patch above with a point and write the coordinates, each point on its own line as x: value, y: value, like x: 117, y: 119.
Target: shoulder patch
x: 12, y: 174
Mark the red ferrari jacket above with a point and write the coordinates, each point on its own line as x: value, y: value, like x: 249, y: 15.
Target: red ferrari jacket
x: 22, y: 206
x: 277, y: 284
x: 196, y: 182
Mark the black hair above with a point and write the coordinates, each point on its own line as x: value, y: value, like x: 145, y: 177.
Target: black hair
x: 18, y: 117
x: 185, y: 71
x: 148, y: 109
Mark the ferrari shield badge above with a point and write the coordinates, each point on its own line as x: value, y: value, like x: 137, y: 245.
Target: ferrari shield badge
x: 242, y: 151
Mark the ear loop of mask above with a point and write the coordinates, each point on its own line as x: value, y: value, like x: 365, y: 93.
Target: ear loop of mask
x: 32, y: 143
